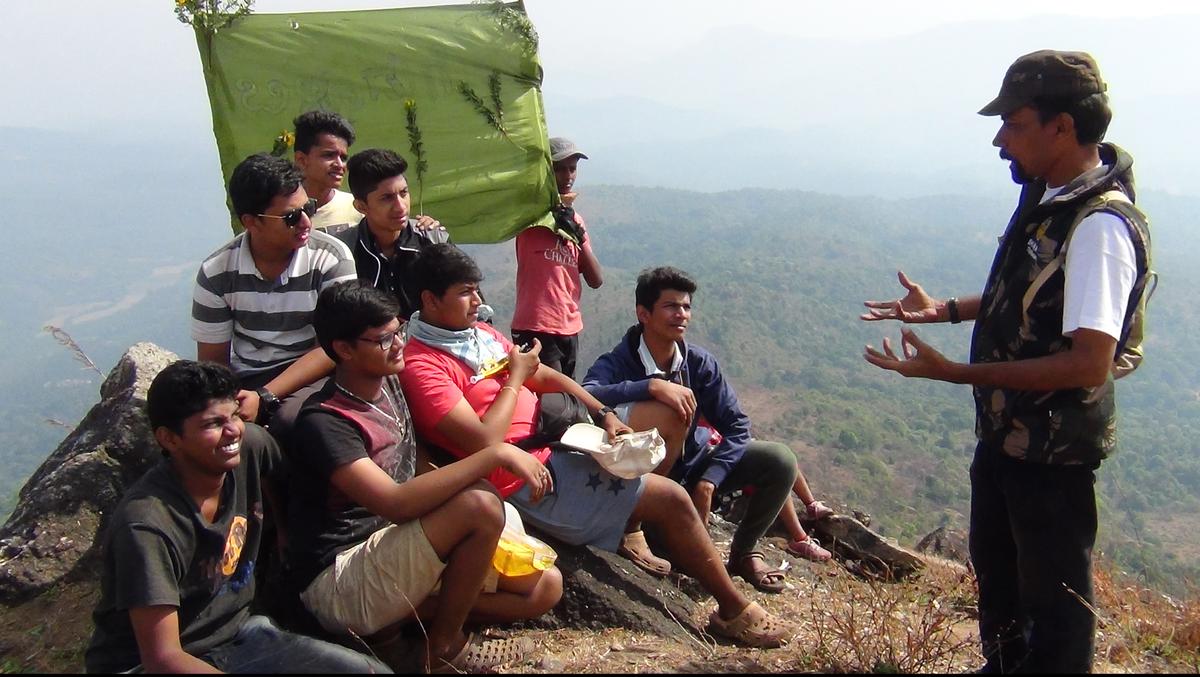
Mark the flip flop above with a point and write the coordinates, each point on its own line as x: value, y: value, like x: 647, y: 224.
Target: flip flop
x: 765, y: 580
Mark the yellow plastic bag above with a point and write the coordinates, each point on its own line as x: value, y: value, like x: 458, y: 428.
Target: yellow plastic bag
x: 518, y: 553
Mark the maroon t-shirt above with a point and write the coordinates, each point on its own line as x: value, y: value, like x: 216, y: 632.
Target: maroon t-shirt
x: 334, y: 429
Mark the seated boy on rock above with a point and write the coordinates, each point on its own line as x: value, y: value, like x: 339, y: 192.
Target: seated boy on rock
x: 654, y: 376
x: 180, y: 550
x: 462, y: 403
x: 371, y: 541
x: 253, y: 298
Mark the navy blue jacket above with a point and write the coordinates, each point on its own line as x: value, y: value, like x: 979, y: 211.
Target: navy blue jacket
x: 618, y: 376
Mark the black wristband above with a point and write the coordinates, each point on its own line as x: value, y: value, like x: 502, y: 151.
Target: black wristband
x: 598, y: 417
x: 952, y: 310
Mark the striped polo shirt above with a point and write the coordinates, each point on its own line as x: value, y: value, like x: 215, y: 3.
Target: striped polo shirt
x: 268, y: 322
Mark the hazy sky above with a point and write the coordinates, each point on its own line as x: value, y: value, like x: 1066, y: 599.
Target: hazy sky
x: 621, y: 75
x: 70, y: 64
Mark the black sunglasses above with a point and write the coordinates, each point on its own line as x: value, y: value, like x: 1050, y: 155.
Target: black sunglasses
x: 292, y: 219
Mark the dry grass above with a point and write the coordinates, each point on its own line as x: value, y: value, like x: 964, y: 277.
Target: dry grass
x: 1144, y: 630
x: 76, y: 350
x: 919, y: 626
x: 842, y: 624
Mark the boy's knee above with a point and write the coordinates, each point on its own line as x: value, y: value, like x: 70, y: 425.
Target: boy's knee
x: 548, y: 592
x: 672, y: 427
x: 779, y: 461
x: 483, y: 504
x: 667, y: 496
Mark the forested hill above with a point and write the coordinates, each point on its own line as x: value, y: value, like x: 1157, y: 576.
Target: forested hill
x: 782, y: 278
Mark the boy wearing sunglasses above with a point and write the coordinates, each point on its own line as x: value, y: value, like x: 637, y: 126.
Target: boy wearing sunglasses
x: 254, y: 297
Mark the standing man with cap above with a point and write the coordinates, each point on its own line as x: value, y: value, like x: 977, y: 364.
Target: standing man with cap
x: 1055, y: 313
x: 549, y: 263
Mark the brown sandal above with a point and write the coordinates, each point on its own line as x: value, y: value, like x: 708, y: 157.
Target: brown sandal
x: 483, y: 656
x: 635, y: 549
x: 766, y: 579
x: 753, y: 627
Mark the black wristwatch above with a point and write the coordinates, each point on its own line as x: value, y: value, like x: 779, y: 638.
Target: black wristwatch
x: 952, y: 310
x: 598, y: 417
x: 268, y: 404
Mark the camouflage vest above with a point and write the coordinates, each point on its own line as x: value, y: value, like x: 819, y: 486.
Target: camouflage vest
x: 1020, y: 317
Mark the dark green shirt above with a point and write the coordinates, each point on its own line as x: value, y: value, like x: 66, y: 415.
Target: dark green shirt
x: 159, y: 550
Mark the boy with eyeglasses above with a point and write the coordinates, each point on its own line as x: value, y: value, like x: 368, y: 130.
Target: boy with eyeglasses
x: 374, y: 545
x: 254, y: 297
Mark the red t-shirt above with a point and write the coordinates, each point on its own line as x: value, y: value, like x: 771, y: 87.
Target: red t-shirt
x: 434, y: 381
x: 548, y: 285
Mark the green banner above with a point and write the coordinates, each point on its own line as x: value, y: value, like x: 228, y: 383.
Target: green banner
x: 454, y: 89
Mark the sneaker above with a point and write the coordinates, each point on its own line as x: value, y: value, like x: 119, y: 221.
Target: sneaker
x: 818, y: 510
x: 809, y: 549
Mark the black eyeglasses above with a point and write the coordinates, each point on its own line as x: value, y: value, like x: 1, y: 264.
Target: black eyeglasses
x: 385, y: 342
x: 292, y: 219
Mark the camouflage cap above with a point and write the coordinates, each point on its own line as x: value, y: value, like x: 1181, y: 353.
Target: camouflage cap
x: 1046, y: 73
x: 562, y: 148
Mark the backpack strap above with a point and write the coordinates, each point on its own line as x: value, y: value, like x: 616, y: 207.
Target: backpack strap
x: 1118, y: 203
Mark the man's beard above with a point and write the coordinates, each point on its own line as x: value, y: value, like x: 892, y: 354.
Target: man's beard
x: 1019, y: 175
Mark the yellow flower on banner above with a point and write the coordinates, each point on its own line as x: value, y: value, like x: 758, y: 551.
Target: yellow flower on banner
x: 283, y: 142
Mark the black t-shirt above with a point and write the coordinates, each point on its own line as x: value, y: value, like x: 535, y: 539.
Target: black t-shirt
x: 160, y: 551
x: 334, y: 429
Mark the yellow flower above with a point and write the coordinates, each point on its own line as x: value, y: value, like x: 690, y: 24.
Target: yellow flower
x: 180, y: 3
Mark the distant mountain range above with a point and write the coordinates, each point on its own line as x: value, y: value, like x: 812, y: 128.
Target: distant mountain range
x: 106, y: 226
x: 891, y: 117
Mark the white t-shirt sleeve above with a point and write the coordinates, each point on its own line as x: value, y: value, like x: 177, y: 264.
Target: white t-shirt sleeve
x: 1100, y: 269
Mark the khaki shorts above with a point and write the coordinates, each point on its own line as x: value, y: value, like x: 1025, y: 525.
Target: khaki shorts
x: 381, y: 581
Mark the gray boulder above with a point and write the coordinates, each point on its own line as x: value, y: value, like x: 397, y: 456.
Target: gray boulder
x: 948, y: 543
x: 61, y: 510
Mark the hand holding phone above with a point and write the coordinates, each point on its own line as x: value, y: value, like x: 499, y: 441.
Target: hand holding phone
x: 523, y: 360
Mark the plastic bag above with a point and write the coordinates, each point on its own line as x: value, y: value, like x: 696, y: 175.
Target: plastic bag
x: 518, y: 553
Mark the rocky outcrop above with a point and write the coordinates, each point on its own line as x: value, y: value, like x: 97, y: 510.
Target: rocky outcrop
x: 604, y: 590
x: 60, y: 510
x: 847, y: 535
x: 53, y: 533
x: 864, y: 551
x: 948, y: 543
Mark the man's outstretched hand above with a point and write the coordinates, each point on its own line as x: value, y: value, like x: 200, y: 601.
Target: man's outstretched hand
x: 917, y: 358
x: 915, y: 307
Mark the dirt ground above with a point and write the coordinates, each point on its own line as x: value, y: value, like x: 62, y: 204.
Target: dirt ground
x: 842, y: 623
